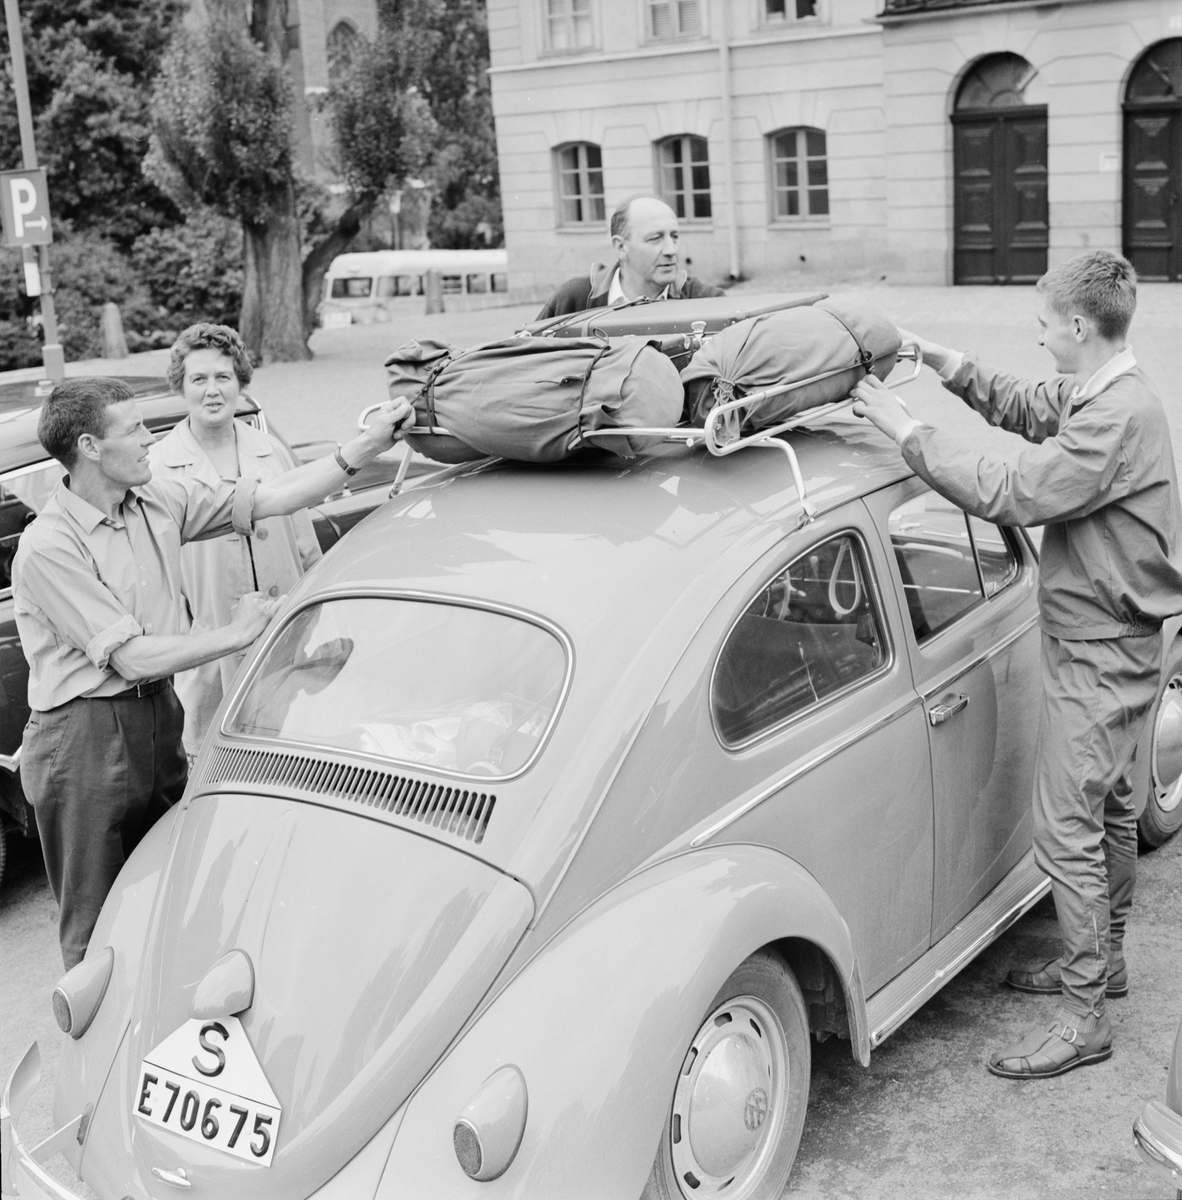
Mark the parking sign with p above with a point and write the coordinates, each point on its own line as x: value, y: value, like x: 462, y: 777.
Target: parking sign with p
x: 24, y: 208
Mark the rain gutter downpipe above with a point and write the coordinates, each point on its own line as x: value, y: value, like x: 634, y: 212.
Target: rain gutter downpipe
x: 728, y: 137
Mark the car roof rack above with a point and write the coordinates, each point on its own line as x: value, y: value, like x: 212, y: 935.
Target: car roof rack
x: 721, y: 433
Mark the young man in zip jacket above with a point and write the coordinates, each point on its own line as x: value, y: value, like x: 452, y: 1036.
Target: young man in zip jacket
x: 1091, y: 460
x: 646, y: 239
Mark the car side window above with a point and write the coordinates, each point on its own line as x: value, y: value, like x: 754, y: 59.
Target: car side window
x: 23, y: 494
x: 948, y: 560
x: 809, y: 634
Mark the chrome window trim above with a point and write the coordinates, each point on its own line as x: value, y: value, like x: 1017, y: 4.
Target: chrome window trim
x: 983, y: 657
x: 370, y: 592
x: 911, y: 700
x: 884, y: 629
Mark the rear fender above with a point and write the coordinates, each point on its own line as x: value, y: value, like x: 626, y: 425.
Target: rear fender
x: 122, y: 925
x: 599, y: 1020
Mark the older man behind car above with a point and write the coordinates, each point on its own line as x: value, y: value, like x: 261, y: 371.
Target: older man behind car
x: 647, y: 240
x: 1090, y: 460
x: 100, y: 613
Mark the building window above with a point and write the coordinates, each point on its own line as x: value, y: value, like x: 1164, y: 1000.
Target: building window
x: 568, y: 25
x: 800, y: 174
x: 674, y: 18
x: 785, y: 10
x: 343, y: 44
x: 683, y: 176
x: 580, y: 185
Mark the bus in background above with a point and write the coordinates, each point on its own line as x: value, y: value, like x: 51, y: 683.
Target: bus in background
x: 371, y: 286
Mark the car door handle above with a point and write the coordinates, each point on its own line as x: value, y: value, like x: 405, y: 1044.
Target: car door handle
x: 939, y: 713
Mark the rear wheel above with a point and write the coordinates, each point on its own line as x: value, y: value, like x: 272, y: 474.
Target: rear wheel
x: 1162, y: 817
x: 741, y: 1094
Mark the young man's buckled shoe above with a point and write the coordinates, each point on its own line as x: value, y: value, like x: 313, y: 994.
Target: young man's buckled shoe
x: 1043, y: 1054
x: 1045, y: 979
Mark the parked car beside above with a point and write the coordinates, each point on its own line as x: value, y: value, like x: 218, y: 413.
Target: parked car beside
x: 27, y: 478
x: 1157, y: 1132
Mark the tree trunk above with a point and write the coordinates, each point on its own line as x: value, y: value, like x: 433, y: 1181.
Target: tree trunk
x: 272, y: 319
x: 320, y: 259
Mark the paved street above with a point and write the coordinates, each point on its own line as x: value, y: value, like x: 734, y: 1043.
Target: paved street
x: 925, y: 1120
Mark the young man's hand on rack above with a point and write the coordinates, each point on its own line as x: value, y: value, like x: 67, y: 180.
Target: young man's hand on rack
x: 934, y: 355
x: 879, y: 405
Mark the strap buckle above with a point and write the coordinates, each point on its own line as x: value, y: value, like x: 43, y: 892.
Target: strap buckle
x: 1063, y: 1030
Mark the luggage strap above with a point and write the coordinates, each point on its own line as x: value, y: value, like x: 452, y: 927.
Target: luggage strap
x: 865, y: 358
x: 428, y: 391
x: 583, y: 391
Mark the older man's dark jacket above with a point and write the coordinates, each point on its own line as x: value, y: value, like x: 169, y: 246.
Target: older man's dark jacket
x: 591, y: 291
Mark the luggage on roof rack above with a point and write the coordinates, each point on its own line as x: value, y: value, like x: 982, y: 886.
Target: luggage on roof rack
x: 824, y: 349
x: 533, y: 399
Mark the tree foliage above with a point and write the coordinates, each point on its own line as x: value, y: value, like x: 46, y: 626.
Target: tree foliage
x: 89, y: 65
x: 222, y: 122
x: 416, y: 102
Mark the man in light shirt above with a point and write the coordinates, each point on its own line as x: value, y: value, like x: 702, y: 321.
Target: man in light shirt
x: 646, y: 238
x: 1091, y: 461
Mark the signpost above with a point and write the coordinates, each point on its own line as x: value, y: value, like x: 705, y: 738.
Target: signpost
x: 24, y: 204
x: 24, y: 208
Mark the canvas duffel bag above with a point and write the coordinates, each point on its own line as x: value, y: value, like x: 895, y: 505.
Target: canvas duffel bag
x: 534, y: 399
x: 843, y: 342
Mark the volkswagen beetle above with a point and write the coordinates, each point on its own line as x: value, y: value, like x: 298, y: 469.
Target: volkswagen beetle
x: 556, y: 813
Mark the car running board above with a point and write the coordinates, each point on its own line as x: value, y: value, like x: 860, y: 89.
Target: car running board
x: 1015, y: 895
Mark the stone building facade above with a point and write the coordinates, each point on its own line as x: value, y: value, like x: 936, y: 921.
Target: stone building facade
x: 930, y: 141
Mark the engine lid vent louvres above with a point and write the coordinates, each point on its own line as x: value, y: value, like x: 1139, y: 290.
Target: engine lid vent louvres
x: 459, y: 811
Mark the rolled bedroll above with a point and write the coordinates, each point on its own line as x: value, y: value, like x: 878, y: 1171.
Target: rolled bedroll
x: 533, y: 399
x: 831, y: 344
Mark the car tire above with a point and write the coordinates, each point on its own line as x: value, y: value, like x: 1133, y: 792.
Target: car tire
x: 740, y: 1097
x: 1162, y: 817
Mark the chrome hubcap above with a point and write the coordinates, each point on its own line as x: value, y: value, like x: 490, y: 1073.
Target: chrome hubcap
x: 728, y: 1109
x: 1166, y: 758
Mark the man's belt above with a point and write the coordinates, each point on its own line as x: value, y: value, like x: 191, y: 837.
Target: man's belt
x: 141, y: 689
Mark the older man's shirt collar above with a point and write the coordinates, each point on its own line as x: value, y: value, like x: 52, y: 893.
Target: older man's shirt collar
x: 615, y: 293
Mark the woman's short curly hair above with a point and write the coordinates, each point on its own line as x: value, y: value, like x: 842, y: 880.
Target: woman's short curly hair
x: 207, y: 336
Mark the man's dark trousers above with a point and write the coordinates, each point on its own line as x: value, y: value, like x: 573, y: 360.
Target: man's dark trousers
x: 99, y: 773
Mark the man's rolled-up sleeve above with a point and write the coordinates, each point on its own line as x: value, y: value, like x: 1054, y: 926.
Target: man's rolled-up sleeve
x: 78, y: 606
x: 1024, y: 483
x: 202, y: 511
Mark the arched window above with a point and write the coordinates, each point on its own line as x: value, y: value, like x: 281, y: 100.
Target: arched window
x: 580, y: 184
x: 998, y: 81
x: 800, y: 174
x: 1153, y: 163
x: 1157, y: 78
x: 343, y: 44
x: 683, y: 176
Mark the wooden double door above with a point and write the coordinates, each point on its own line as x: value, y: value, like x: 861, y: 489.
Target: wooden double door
x: 1153, y: 191
x: 1001, y: 215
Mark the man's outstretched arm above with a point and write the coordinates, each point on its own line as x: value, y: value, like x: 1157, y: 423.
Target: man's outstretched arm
x: 1015, y: 405
x: 313, y: 481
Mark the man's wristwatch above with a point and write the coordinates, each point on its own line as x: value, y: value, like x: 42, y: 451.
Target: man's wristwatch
x: 342, y: 463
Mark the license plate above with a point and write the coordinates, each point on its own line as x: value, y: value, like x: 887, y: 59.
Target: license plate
x: 205, y: 1083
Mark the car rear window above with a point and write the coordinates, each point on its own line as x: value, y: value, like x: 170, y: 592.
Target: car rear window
x: 463, y: 689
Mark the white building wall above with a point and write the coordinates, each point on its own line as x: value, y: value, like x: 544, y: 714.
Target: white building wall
x: 883, y: 92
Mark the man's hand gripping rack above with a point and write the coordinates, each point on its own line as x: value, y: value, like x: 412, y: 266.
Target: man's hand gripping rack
x: 721, y: 433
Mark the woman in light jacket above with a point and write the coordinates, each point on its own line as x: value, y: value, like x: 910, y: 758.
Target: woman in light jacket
x: 210, y: 367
